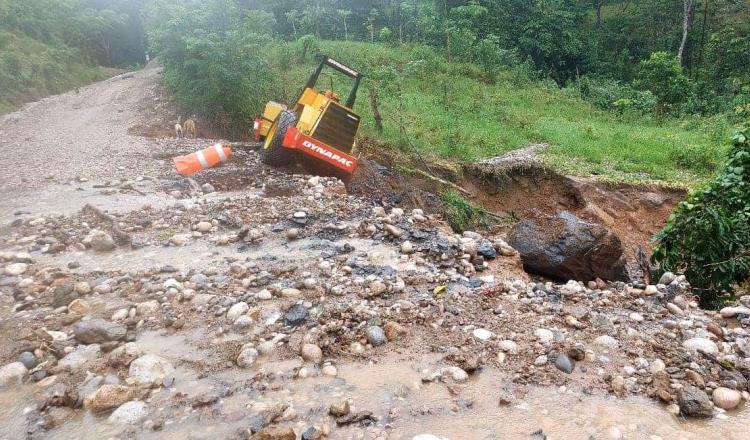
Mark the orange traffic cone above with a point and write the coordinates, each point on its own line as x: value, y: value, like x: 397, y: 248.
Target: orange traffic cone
x: 201, y: 160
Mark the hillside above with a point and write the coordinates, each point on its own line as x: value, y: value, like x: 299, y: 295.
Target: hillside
x: 445, y: 110
x: 51, y: 46
x: 31, y: 69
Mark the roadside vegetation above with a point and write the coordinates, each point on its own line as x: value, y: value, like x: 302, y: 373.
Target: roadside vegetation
x: 657, y: 114
x: 461, y: 214
x: 51, y: 46
x: 30, y: 69
x: 708, y: 236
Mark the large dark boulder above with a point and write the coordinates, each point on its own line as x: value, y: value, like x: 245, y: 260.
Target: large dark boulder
x: 565, y: 247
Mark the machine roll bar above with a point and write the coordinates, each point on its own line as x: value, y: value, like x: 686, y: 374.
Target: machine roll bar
x: 341, y: 68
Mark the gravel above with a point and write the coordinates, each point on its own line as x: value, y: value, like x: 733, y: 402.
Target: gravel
x: 221, y: 295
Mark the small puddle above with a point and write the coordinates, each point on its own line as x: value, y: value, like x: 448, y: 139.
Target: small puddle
x: 84, y: 425
x: 559, y: 414
x: 69, y: 199
x: 12, y: 418
x: 199, y: 252
x: 59, y: 199
x: 175, y: 347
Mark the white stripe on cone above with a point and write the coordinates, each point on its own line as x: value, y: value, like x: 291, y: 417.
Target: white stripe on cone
x: 220, y: 151
x: 202, y: 159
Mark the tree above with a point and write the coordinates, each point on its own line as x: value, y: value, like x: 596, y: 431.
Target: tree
x: 461, y: 28
x: 345, y: 14
x: 101, y: 28
x: 214, y: 57
x: 552, y: 38
x: 488, y: 55
x: 313, y: 14
x: 385, y: 34
x: 398, y: 17
x: 663, y: 75
x: 686, y: 13
x: 598, y: 8
x: 370, y: 23
x: 4, y: 8
x: 309, y: 45
x: 294, y: 17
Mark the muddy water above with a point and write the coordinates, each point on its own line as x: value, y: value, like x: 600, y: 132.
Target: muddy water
x: 61, y: 199
x: 69, y: 199
x: 12, y: 419
x: 198, y: 252
x: 559, y: 413
x: 393, y: 390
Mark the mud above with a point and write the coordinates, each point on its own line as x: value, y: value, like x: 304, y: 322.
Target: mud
x: 277, y: 292
x: 519, y: 185
x: 393, y: 390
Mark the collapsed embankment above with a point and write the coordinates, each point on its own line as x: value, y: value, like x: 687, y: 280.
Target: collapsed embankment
x: 564, y: 227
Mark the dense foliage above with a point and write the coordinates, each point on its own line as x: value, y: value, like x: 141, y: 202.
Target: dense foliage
x: 708, y: 235
x: 691, y: 55
x: 213, y: 54
x: 49, y: 46
x: 107, y: 31
x: 701, y: 45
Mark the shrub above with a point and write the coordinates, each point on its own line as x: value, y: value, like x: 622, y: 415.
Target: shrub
x: 385, y: 35
x: 608, y: 94
x: 662, y: 75
x: 284, y: 57
x: 385, y: 78
x: 494, y: 59
x: 214, y: 59
x: 308, y: 46
x: 696, y: 158
x: 460, y: 213
x: 707, y: 236
x: 742, y: 111
x: 487, y: 54
x: 433, y: 62
x: 460, y: 43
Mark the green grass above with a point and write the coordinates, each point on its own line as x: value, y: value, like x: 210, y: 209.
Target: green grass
x: 450, y: 111
x: 31, y: 69
x: 460, y: 213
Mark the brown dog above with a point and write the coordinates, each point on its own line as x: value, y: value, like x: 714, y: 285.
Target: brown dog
x: 190, y: 127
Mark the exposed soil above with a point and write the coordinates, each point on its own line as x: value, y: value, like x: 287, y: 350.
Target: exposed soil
x: 633, y: 212
x: 519, y: 186
x: 270, y: 296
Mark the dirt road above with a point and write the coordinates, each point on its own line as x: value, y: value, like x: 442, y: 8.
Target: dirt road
x: 135, y: 303
x: 80, y: 136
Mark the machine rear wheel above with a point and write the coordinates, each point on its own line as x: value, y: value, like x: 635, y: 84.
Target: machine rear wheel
x: 273, y: 153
